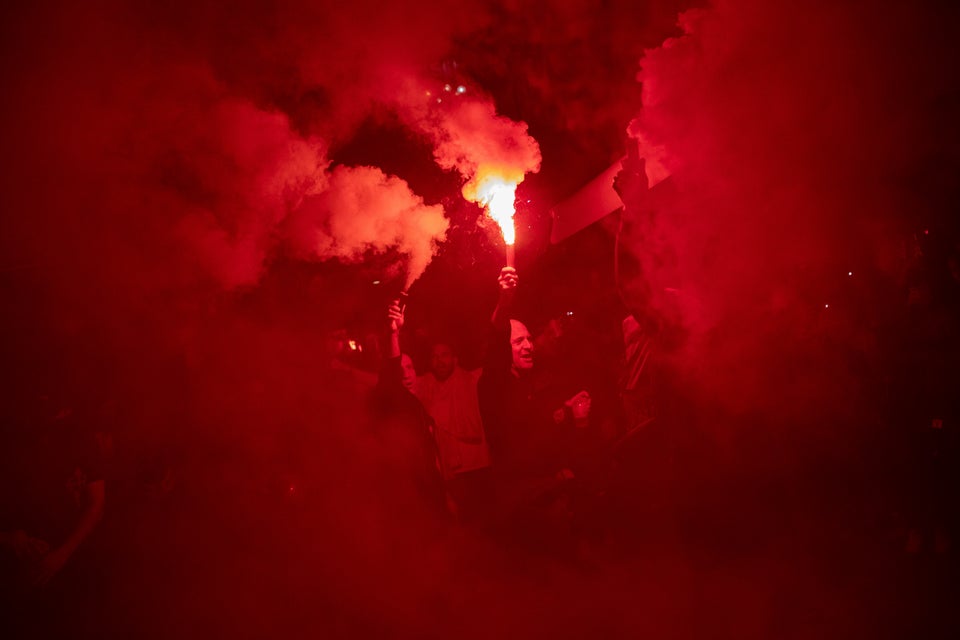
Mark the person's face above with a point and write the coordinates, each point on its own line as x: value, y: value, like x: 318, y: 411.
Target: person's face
x: 409, y: 373
x: 522, y: 345
x: 442, y: 361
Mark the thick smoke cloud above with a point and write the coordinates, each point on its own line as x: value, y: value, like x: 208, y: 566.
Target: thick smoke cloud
x: 192, y: 149
x: 363, y: 209
x: 243, y: 170
x: 794, y: 135
x: 474, y: 140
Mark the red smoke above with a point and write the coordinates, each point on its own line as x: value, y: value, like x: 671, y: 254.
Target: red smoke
x: 792, y: 133
x: 186, y: 136
x: 470, y: 137
x: 171, y: 177
x: 363, y: 210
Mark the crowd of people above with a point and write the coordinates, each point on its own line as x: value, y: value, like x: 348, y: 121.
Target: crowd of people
x: 507, y: 447
x: 533, y: 450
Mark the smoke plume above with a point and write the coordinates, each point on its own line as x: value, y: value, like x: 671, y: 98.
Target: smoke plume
x: 364, y: 210
x: 793, y: 134
x: 471, y: 138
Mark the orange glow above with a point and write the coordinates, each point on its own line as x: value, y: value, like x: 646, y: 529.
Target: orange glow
x: 498, y: 195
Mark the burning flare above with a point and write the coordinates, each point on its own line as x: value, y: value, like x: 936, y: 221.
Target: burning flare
x: 498, y: 195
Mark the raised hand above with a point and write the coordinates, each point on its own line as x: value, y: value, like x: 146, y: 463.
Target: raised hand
x: 508, y: 279
x: 395, y: 316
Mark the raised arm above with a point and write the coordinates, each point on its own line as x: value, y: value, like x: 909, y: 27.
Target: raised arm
x: 390, y: 381
x: 507, y: 282
x: 394, y: 324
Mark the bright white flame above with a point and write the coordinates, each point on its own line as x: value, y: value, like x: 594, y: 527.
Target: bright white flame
x: 461, y: 89
x: 499, y: 196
